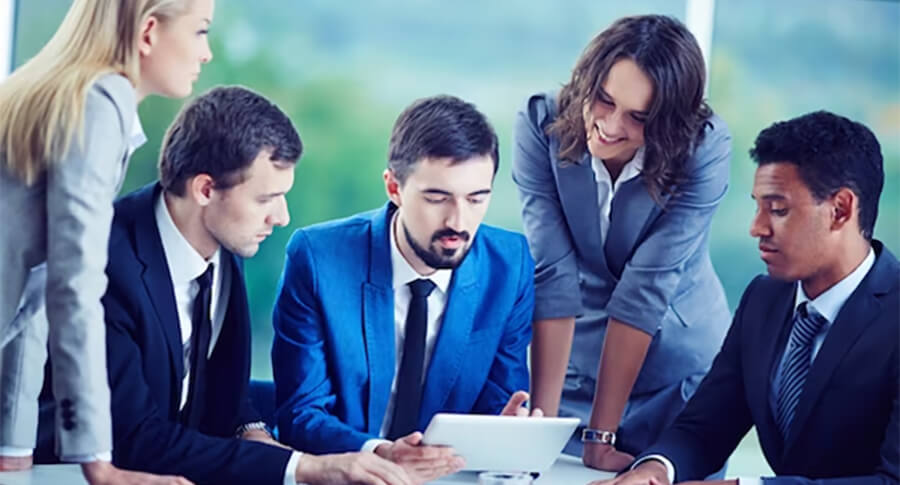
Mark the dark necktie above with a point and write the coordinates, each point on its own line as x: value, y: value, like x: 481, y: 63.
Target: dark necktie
x: 806, y: 325
x: 200, y: 334
x: 409, y: 378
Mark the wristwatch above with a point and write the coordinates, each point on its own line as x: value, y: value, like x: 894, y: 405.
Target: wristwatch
x: 251, y: 426
x: 598, y: 436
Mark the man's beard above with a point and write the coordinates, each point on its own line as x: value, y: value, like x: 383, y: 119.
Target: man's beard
x: 436, y: 257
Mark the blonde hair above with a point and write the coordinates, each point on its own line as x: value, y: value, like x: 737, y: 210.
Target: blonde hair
x: 42, y: 102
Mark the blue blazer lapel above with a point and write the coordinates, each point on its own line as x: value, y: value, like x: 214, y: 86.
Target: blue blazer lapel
x: 157, y: 280
x: 452, y: 341
x: 378, y: 320
x: 631, y: 212
x: 857, y: 314
x: 579, y: 200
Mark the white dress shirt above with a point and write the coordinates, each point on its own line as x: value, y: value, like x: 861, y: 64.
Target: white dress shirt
x: 828, y: 304
x: 606, y: 189
x: 135, y: 139
x: 185, y: 266
x: 403, y: 273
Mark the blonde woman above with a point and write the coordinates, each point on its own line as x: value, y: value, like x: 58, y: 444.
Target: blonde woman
x: 68, y: 123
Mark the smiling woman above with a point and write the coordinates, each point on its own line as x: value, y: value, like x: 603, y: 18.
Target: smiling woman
x: 619, y: 175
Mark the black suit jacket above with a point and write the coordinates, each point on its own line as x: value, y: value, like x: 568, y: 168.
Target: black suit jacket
x: 145, y: 365
x: 846, y: 426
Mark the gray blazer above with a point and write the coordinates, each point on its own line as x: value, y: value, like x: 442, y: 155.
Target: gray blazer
x: 53, y: 260
x: 653, y: 272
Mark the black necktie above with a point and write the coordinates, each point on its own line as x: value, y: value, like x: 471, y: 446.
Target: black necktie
x: 409, y: 379
x: 200, y: 335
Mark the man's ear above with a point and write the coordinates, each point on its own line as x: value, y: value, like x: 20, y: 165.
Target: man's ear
x: 200, y: 189
x: 845, y: 208
x: 392, y: 187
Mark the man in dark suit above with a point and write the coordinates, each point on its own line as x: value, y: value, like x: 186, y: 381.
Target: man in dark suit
x: 811, y: 359
x: 178, y: 324
x: 387, y: 317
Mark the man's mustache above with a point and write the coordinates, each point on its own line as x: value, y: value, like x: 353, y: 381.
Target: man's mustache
x: 450, y: 233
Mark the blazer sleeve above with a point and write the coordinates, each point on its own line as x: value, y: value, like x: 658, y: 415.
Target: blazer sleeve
x: 653, y: 273
x: 509, y: 371
x: 716, y: 417
x: 80, y: 192
x: 305, y: 398
x: 146, y: 440
x: 556, y: 290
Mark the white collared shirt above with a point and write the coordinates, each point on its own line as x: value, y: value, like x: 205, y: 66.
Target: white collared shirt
x: 137, y: 137
x: 606, y: 189
x: 403, y: 273
x: 830, y: 302
x: 185, y: 265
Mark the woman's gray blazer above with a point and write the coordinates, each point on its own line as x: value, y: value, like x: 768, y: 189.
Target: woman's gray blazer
x: 653, y: 272
x: 53, y: 256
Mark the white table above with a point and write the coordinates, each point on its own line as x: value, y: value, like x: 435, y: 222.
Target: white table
x: 567, y: 470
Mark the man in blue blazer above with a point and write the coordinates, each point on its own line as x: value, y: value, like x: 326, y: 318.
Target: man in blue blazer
x: 177, y: 317
x: 811, y: 359
x: 387, y: 317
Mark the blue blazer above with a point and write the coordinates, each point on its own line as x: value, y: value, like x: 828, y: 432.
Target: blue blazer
x: 847, y: 426
x: 333, y: 355
x: 145, y: 365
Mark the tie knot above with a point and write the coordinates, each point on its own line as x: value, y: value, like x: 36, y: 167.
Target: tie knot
x: 421, y: 288
x: 205, y: 279
x: 807, y: 324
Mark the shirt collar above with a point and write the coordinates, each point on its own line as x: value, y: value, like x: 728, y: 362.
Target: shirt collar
x: 137, y: 137
x: 185, y: 263
x: 404, y: 273
x: 830, y: 302
x: 630, y: 170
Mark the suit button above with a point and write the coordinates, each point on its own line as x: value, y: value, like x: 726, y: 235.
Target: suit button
x: 68, y: 413
x: 66, y: 403
x: 68, y: 425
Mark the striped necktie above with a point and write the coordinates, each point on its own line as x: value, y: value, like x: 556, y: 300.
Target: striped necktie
x: 806, y: 325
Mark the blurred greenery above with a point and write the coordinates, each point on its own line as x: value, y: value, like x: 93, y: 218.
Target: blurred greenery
x: 344, y: 70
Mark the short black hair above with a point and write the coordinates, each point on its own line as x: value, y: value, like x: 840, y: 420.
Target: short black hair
x: 220, y: 133
x: 831, y: 152
x: 440, y: 127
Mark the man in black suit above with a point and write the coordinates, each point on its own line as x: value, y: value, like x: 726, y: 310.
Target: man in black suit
x: 811, y: 359
x: 177, y: 317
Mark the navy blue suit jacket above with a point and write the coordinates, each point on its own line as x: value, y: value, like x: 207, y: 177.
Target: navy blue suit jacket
x: 145, y: 365
x: 846, y: 426
x: 333, y: 356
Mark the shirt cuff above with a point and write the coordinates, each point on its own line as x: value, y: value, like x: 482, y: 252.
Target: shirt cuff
x: 670, y: 468
x: 290, y: 471
x: 373, y: 443
x: 15, y: 451
x: 102, y: 456
x: 750, y: 481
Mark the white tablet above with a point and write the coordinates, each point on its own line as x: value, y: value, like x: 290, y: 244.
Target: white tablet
x: 502, y: 443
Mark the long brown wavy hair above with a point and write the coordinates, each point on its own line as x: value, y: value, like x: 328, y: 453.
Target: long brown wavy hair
x: 669, y: 55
